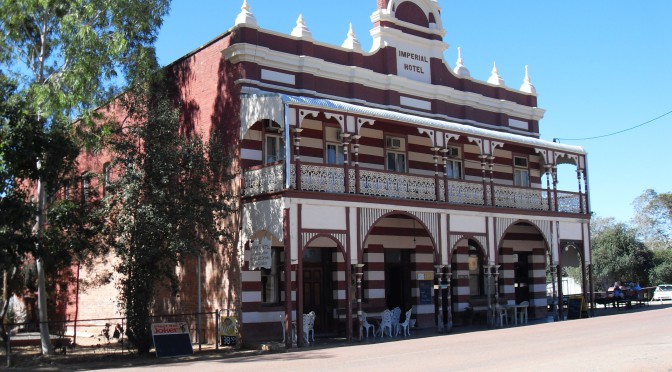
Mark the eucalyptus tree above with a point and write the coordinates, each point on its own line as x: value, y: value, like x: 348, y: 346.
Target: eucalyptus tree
x: 68, y: 57
x: 653, y: 218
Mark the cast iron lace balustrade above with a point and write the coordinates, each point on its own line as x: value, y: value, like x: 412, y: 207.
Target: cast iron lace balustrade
x: 264, y: 180
x: 520, y: 198
x: 322, y: 178
x: 464, y: 192
x: 395, y: 185
x: 569, y: 202
x: 331, y: 179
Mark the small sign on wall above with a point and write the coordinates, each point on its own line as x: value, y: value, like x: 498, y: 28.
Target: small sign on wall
x: 261, y: 254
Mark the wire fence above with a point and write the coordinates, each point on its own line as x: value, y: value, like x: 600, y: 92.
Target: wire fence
x: 104, y: 336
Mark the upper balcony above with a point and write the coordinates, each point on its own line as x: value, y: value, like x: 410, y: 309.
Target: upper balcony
x: 368, y: 152
x: 370, y: 182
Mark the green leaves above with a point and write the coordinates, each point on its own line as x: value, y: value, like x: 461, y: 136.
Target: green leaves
x: 163, y: 203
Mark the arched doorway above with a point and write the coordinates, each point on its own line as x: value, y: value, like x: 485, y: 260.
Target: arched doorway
x: 398, y: 259
x: 468, y: 285
x: 523, y: 256
x: 324, y: 283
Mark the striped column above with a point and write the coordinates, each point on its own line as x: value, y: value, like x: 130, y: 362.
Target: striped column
x: 538, y: 300
x: 507, y: 290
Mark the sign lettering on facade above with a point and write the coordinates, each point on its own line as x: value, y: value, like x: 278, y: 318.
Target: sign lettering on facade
x: 413, y: 65
x: 260, y: 255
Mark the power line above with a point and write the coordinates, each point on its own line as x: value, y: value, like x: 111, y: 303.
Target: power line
x: 614, y: 133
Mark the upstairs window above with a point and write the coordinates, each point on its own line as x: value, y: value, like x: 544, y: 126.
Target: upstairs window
x: 521, y: 171
x: 453, y: 163
x: 274, y: 143
x: 334, y: 147
x: 396, y: 154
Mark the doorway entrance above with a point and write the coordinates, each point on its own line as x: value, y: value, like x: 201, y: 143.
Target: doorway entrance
x: 318, y: 287
x: 398, y: 278
x: 522, y: 276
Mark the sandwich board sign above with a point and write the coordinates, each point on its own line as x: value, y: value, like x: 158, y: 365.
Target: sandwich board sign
x: 171, y: 339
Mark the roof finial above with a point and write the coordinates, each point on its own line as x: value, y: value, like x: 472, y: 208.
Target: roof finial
x: 495, y: 79
x: 459, y: 69
x: 351, y: 41
x: 245, y: 16
x: 301, y: 30
x: 527, y: 86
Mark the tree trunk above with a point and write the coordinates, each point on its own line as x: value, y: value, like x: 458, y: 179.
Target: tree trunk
x: 45, y: 341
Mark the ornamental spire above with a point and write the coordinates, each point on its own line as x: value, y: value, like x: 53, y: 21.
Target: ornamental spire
x: 301, y: 30
x: 245, y: 16
x: 459, y: 69
x: 495, y: 79
x: 351, y: 41
x: 527, y: 86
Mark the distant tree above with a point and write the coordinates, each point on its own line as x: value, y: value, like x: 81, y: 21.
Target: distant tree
x: 653, y: 219
x: 618, y: 255
x: 662, y: 272
x: 163, y: 202
x: 68, y: 56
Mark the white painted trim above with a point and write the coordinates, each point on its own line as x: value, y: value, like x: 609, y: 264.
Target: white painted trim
x: 278, y: 77
x: 242, y: 52
x: 416, y: 103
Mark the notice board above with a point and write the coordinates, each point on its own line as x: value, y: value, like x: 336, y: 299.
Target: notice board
x: 171, y: 339
x: 575, y: 307
x: 425, y: 289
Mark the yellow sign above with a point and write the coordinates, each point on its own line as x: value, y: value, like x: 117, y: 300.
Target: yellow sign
x: 229, y: 327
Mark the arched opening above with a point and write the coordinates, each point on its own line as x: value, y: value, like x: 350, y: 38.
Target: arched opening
x: 468, y: 286
x: 399, y: 265
x: 324, y: 283
x: 523, y: 256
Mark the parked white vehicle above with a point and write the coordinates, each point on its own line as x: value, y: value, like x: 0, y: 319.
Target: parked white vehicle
x: 663, y: 292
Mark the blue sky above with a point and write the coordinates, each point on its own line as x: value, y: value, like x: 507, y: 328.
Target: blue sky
x: 598, y: 67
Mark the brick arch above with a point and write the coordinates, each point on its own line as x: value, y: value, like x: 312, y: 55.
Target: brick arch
x: 480, y: 239
x: 424, y: 219
x: 410, y: 12
x: 542, y: 227
x: 339, y: 239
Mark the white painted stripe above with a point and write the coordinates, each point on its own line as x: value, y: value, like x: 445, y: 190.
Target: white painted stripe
x: 251, y: 154
x: 416, y: 103
x: 424, y: 258
x: 374, y: 275
x: 278, y: 76
x: 251, y: 276
x: 374, y: 257
x: 339, y: 294
x: 340, y: 276
x: 519, y: 124
x: 375, y: 293
x: 251, y: 296
x: 265, y: 317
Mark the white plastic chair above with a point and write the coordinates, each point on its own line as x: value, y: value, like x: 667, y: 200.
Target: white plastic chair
x: 501, y: 314
x: 396, y: 315
x: 386, y: 322
x: 523, y: 311
x: 364, y: 324
x: 407, y: 322
x: 308, y: 323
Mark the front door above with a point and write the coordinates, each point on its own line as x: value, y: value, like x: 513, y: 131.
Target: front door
x: 398, y: 278
x: 317, y: 287
x: 522, y: 277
